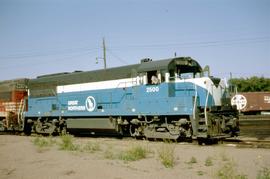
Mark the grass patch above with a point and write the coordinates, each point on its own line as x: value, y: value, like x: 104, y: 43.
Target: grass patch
x: 67, y: 143
x: 91, y: 147
x: 208, y: 162
x: 42, y: 142
x: 134, y: 153
x: 192, y: 160
x: 108, y: 153
x: 264, y: 173
x: 166, y: 155
x: 200, y: 173
x: 229, y: 171
x: 224, y: 157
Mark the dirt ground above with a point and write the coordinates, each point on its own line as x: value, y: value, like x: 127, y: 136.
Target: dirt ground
x: 20, y: 158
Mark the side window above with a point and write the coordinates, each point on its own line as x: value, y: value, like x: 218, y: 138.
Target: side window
x: 162, y: 76
x: 153, y: 78
x: 54, y: 107
x: 141, y: 78
x: 172, y: 75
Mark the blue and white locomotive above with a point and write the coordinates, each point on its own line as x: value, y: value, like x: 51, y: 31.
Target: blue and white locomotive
x: 166, y: 99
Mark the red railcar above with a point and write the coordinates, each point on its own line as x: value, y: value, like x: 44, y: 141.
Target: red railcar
x: 12, y: 103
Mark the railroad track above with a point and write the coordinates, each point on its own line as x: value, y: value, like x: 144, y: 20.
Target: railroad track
x: 247, y: 143
x: 258, y: 128
x: 254, y: 133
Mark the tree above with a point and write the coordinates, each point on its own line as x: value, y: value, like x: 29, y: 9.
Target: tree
x: 251, y: 84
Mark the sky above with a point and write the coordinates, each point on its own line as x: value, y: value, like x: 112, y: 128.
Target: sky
x: 40, y: 37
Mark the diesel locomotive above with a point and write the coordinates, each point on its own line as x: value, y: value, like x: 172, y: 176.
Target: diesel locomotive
x: 166, y: 99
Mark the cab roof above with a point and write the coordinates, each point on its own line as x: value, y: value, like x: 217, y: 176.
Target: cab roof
x: 169, y: 64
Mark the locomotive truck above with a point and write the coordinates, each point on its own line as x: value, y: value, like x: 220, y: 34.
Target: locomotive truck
x: 165, y: 99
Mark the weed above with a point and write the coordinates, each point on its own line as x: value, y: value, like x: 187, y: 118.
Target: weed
x: 224, y: 157
x: 192, y: 160
x: 166, y: 155
x: 91, y: 147
x: 228, y: 171
x: 108, y: 154
x: 51, y: 140
x: 134, y: 153
x: 208, y: 162
x: 67, y: 143
x: 264, y: 173
x: 200, y: 173
x: 42, y: 142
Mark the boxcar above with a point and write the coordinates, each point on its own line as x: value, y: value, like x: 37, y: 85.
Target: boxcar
x: 13, y: 95
x: 252, y: 102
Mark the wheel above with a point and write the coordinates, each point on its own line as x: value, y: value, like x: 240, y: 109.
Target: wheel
x: 27, y: 129
x: 201, y: 141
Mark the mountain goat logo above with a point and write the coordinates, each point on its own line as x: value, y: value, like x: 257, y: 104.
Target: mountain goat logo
x: 90, y: 103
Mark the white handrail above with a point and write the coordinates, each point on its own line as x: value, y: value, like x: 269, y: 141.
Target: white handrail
x: 127, y: 82
x: 195, y: 102
x: 20, y: 111
x: 205, y: 107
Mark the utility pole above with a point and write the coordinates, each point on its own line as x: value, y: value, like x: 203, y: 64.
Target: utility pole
x: 104, y: 54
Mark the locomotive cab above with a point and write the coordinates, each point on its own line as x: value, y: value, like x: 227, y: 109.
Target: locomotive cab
x: 197, y: 101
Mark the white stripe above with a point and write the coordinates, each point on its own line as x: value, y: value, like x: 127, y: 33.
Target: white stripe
x: 207, y: 84
x: 204, y: 82
x: 121, y: 83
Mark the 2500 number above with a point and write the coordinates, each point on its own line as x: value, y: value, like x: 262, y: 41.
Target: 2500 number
x: 152, y: 89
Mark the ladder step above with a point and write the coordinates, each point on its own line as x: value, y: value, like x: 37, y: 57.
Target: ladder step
x: 202, y: 129
x: 201, y: 122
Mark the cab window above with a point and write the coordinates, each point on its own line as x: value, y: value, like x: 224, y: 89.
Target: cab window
x: 153, y: 78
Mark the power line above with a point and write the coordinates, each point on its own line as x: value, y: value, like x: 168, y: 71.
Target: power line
x: 200, y: 44
x: 117, y: 57
x: 44, y: 54
x: 47, y: 61
x: 160, y: 46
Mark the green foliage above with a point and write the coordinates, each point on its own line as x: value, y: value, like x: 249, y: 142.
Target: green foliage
x: 264, y: 173
x: 228, y: 171
x: 251, y: 84
x: 67, y: 143
x: 208, y: 162
x: 166, y: 155
x: 134, y: 153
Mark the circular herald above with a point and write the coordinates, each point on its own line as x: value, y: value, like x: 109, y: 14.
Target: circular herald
x: 90, y: 103
x: 240, y: 101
